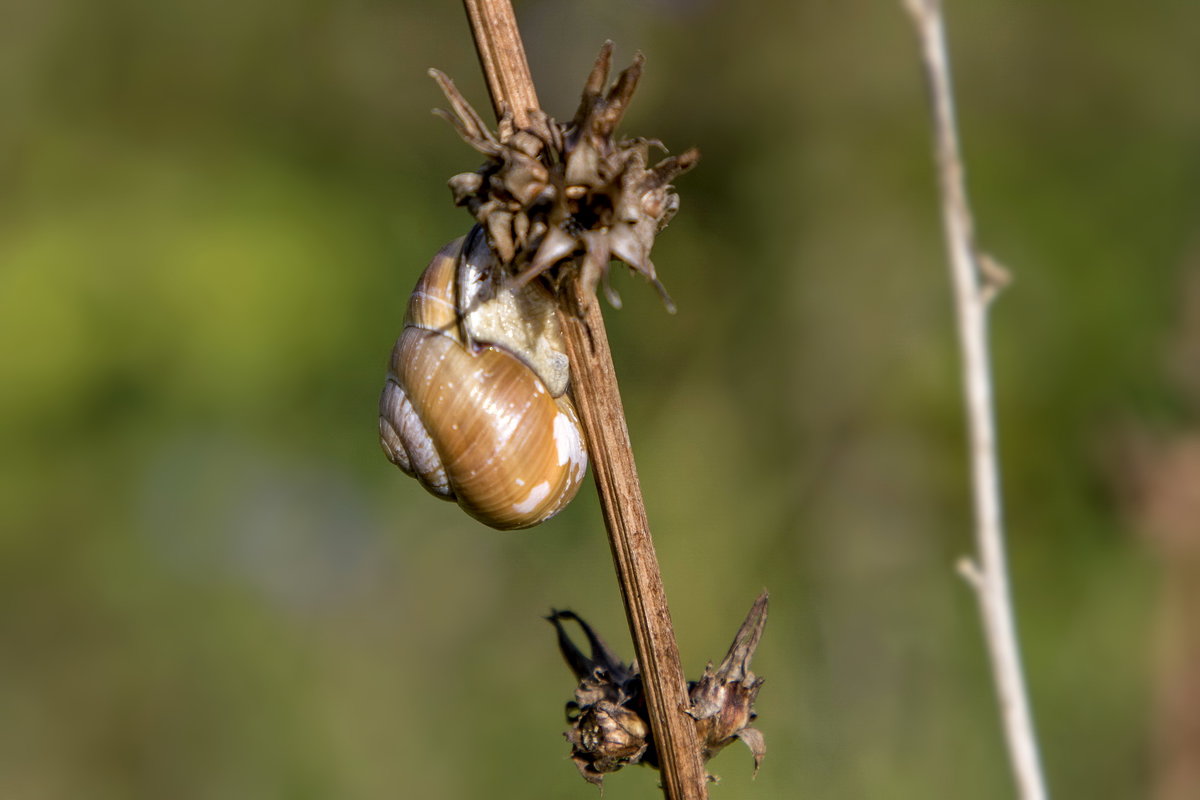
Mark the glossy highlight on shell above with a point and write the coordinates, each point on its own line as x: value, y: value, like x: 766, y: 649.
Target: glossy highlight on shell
x: 476, y: 405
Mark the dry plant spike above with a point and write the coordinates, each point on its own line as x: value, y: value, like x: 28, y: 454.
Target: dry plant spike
x: 608, y: 715
x: 976, y: 279
x: 594, y: 85
x: 723, y: 699
x: 601, y: 656
x: 465, y: 119
x: 556, y: 197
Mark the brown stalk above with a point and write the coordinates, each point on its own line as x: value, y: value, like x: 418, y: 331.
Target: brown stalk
x: 597, y: 395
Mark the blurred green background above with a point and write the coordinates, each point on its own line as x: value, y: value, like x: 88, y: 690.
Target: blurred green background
x: 212, y: 584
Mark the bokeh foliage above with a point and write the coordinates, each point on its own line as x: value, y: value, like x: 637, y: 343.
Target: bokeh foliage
x: 212, y: 585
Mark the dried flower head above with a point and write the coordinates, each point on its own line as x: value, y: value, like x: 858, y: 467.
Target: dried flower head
x: 557, y: 197
x: 608, y: 715
x: 723, y: 699
x: 606, y: 736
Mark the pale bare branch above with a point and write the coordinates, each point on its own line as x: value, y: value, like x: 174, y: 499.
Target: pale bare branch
x: 977, y: 278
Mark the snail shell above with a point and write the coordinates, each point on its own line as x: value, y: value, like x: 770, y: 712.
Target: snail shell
x: 476, y: 405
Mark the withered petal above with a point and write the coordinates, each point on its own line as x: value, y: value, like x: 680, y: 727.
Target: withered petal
x: 758, y: 745
x: 736, y: 664
x: 601, y: 655
x: 556, y: 245
x: 465, y: 119
x: 594, y: 85
x: 614, y: 106
x: 499, y: 228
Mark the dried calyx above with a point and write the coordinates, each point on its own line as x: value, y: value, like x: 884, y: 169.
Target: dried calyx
x: 608, y: 715
x: 557, y: 197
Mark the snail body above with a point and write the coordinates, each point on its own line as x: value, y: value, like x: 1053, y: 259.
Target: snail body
x: 476, y: 404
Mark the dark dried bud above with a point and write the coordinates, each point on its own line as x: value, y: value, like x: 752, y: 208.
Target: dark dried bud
x: 606, y: 737
x: 608, y: 715
x: 555, y: 196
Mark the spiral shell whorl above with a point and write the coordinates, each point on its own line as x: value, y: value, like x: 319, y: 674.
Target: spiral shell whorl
x: 472, y: 421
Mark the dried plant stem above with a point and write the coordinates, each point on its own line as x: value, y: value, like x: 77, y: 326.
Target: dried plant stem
x: 624, y: 511
x: 594, y: 384
x: 976, y: 279
x: 502, y: 57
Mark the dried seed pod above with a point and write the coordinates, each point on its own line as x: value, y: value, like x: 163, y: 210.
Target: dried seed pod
x: 605, y: 737
x: 723, y: 699
x: 569, y: 196
x: 476, y: 405
x: 607, y: 716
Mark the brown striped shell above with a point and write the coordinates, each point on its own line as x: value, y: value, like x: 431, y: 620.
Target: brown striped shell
x: 476, y: 404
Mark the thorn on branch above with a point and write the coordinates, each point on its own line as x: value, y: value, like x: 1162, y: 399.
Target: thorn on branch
x: 994, y: 275
x: 970, y: 572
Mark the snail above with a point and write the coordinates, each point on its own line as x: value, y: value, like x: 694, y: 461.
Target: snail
x: 476, y: 405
